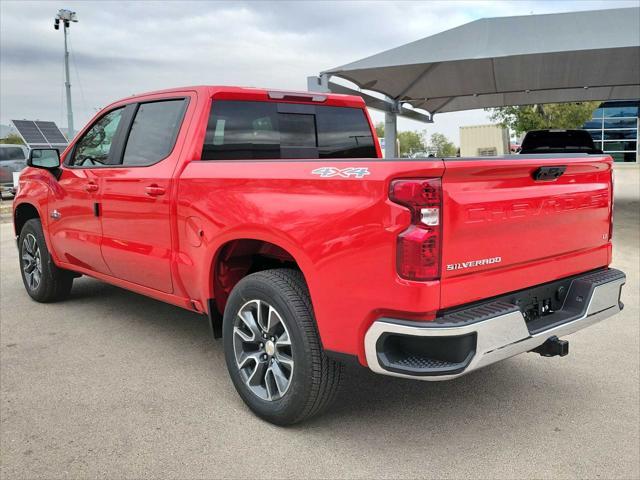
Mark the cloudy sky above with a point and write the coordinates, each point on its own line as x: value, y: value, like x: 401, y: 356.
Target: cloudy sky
x: 121, y: 48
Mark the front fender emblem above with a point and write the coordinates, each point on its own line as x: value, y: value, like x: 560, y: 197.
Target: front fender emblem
x: 56, y: 215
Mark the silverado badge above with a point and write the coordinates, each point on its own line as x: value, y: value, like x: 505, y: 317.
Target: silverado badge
x: 473, y: 263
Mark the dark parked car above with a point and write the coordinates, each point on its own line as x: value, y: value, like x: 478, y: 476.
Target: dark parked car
x: 13, y: 158
x: 559, y: 141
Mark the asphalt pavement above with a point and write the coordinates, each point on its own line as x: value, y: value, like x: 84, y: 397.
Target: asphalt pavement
x: 110, y: 384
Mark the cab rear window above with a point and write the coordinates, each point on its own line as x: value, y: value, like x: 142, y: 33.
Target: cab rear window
x: 269, y: 130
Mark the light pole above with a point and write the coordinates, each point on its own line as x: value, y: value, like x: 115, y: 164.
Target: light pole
x: 66, y: 17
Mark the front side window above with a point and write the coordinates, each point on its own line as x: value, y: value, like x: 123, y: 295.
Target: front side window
x: 153, y: 132
x: 94, y: 148
x: 269, y: 130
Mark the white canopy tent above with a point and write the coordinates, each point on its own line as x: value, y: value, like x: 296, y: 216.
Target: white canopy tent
x: 494, y: 62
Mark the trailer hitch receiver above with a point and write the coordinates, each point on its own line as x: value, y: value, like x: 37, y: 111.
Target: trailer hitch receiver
x: 553, y: 347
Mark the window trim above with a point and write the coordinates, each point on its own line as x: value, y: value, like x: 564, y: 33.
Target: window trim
x: 116, y: 139
x: 121, y: 136
x: 185, y: 106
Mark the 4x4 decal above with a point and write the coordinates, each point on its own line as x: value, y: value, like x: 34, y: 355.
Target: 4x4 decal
x: 326, y: 172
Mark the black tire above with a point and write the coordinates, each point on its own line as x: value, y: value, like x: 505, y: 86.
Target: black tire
x: 54, y: 283
x: 315, y: 378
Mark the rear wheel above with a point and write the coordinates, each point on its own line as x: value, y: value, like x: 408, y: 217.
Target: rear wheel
x: 272, y: 348
x: 42, y: 279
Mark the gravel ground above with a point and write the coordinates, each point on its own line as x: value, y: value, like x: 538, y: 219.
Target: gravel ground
x: 5, y: 210
x: 112, y: 384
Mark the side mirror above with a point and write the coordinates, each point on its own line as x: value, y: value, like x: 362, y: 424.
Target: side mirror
x: 47, y: 158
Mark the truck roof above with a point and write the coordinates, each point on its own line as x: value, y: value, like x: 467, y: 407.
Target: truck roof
x: 225, y: 92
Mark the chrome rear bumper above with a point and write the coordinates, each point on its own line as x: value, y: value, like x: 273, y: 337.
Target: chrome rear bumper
x: 487, y: 333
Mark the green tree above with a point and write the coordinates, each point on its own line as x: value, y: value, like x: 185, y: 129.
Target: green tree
x: 12, y: 138
x: 440, y: 146
x: 411, y: 142
x: 521, y: 119
x: 380, y: 129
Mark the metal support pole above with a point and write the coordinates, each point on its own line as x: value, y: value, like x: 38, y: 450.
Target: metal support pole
x: 67, y: 85
x: 390, y: 134
x: 318, y: 84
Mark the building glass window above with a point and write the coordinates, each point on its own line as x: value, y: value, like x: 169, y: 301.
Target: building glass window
x: 623, y: 156
x: 593, y: 123
x: 614, y: 128
x: 620, y: 123
x: 620, y: 146
x: 630, y: 134
x: 623, y: 111
x: 596, y: 135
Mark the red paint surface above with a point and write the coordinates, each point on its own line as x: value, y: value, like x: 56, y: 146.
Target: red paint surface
x: 342, y: 232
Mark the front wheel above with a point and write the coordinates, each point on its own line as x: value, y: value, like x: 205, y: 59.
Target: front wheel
x: 273, y: 351
x: 42, y: 279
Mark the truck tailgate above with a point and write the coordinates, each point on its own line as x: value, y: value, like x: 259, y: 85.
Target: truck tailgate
x: 508, y: 224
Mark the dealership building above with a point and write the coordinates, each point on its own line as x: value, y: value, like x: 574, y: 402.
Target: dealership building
x: 614, y: 128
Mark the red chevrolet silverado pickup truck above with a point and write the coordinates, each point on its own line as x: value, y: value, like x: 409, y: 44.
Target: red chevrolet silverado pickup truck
x: 274, y: 214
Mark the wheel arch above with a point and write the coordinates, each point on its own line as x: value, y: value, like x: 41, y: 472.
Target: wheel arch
x: 238, y: 257
x: 22, y: 213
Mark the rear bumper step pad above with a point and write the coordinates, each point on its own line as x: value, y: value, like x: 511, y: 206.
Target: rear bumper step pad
x: 466, y: 339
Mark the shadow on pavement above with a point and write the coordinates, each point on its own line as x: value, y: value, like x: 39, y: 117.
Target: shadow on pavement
x: 364, y: 395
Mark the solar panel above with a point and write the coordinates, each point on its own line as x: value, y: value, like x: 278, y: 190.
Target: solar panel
x: 51, y: 132
x: 29, y: 132
x: 40, y: 134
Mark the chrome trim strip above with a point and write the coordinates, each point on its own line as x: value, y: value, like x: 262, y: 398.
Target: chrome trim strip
x: 499, y: 337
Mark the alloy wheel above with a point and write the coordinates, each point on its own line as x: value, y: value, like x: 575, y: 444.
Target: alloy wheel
x: 263, y: 351
x: 31, y: 261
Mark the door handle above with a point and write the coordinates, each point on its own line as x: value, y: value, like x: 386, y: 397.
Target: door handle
x: 91, y: 187
x: 154, y: 190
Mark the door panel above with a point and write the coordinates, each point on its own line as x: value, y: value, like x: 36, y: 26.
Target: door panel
x: 75, y: 228
x: 135, y: 202
x: 136, y: 225
x: 76, y: 233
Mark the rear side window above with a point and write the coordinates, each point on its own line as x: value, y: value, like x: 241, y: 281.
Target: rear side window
x: 153, y: 132
x: 269, y: 130
x: 11, y: 153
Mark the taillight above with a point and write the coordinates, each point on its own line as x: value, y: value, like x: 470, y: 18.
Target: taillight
x: 612, y: 205
x: 418, y: 247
